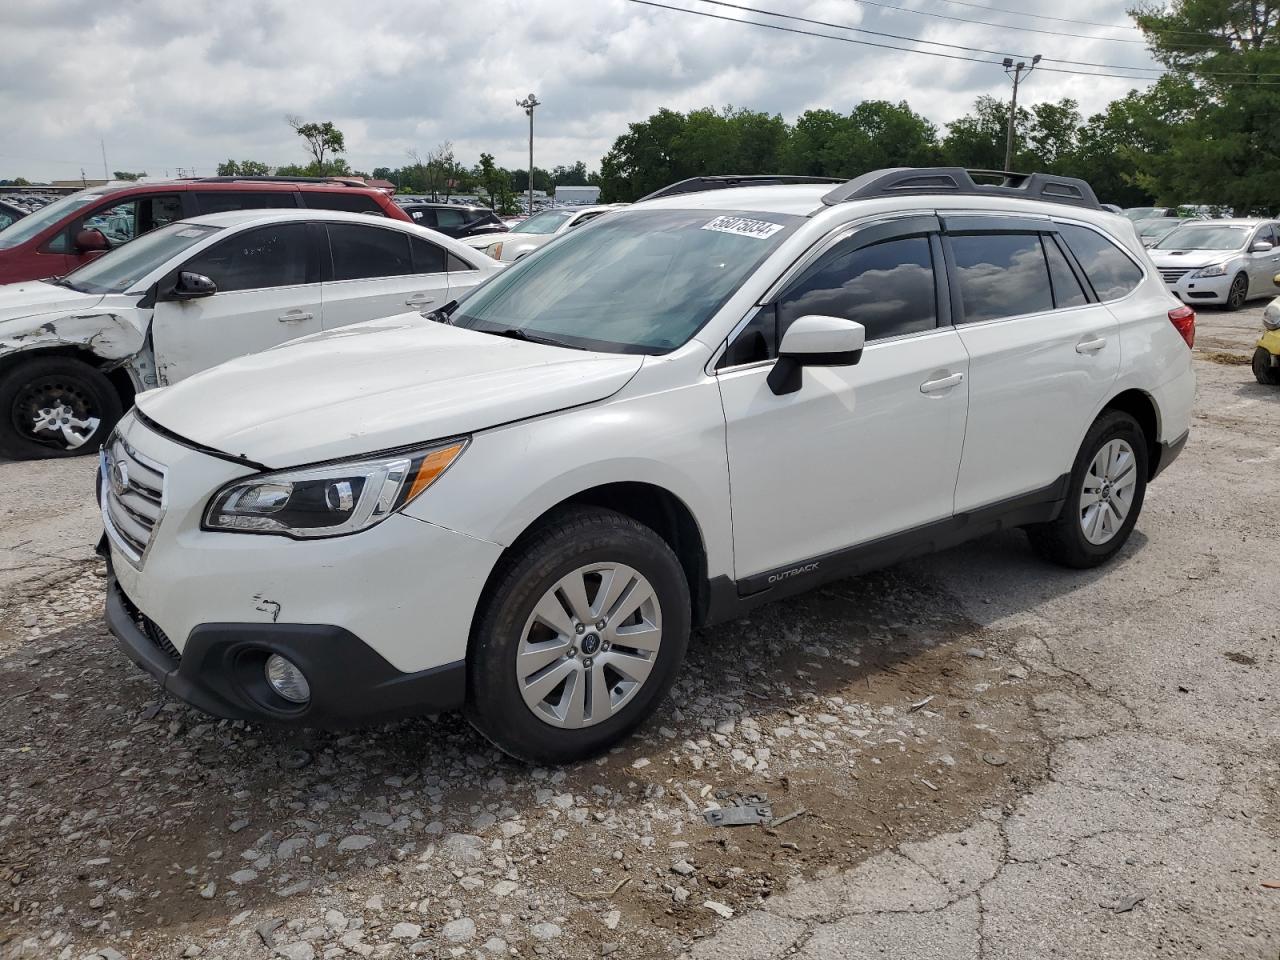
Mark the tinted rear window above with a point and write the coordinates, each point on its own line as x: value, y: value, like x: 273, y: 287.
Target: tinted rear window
x: 360, y: 252
x: 1001, y: 275
x: 350, y: 202
x: 219, y: 201
x: 1111, y: 272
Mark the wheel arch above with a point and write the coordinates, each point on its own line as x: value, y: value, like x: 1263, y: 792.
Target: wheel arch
x: 652, y: 505
x: 113, y: 370
x: 1140, y: 405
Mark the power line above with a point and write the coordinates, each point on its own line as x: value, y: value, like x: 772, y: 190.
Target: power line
x: 810, y: 33
x: 886, y: 46
x: 1003, y: 26
x: 1160, y: 71
x: 1085, y: 23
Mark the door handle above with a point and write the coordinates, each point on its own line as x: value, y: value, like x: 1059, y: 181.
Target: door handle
x: 419, y: 300
x: 943, y: 383
x: 295, y: 316
x: 1091, y: 346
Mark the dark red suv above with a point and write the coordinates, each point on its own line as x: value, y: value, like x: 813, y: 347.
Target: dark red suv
x: 68, y: 232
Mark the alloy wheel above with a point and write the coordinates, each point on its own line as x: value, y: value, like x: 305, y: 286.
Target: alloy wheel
x: 589, y: 645
x: 1238, y: 293
x: 1106, y: 496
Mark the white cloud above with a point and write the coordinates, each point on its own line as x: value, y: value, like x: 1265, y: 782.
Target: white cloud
x: 168, y: 85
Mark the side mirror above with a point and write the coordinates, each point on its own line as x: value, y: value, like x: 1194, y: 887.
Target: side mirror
x: 92, y: 240
x: 193, y: 286
x: 1261, y: 246
x: 815, y: 341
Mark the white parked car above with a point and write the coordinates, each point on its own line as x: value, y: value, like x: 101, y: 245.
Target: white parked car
x: 533, y: 232
x: 1219, y: 261
x: 74, y: 350
x: 688, y: 408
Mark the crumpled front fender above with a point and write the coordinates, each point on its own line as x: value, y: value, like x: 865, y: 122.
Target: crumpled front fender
x: 108, y: 335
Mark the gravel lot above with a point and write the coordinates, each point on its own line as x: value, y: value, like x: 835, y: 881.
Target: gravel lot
x: 985, y: 757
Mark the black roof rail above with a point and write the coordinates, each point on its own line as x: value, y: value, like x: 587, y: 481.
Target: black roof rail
x: 957, y: 181
x: 341, y: 181
x: 701, y: 184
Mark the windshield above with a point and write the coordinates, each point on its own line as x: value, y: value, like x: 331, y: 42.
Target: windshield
x: 640, y: 282
x: 548, y: 221
x: 1205, y: 236
x: 20, y: 231
x: 1157, y: 227
x: 121, y: 268
x: 1139, y: 213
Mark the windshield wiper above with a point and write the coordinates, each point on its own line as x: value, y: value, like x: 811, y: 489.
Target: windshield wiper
x: 62, y: 282
x: 518, y: 333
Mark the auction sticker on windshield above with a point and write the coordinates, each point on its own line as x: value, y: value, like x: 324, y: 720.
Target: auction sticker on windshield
x: 760, y: 229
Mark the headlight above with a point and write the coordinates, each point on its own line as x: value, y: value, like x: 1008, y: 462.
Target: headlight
x: 494, y: 250
x: 332, y: 500
x: 1271, y: 316
x: 1213, y: 270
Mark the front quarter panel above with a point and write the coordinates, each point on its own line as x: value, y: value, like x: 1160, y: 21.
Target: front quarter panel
x: 670, y: 436
x: 108, y: 332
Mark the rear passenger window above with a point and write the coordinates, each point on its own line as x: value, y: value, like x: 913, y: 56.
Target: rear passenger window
x: 1001, y: 275
x: 427, y: 257
x: 887, y: 287
x: 1067, y: 291
x: 361, y: 252
x: 219, y: 201
x: 1111, y: 272
x: 351, y: 202
x: 456, y: 264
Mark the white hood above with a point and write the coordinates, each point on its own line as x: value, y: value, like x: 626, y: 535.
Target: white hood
x: 34, y: 298
x: 375, y: 386
x: 1191, y: 259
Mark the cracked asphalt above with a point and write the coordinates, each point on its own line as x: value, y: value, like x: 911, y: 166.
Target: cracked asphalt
x: 988, y: 758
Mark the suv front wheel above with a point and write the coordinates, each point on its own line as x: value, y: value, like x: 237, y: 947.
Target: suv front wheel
x: 1107, y: 487
x: 580, y: 637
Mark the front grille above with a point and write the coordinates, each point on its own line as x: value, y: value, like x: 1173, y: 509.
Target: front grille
x: 1172, y: 275
x: 150, y: 629
x: 131, y: 495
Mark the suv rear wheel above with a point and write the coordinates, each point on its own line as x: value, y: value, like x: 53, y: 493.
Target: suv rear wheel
x: 1107, y: 487
x: 579, y: 639
x: 55, y: 407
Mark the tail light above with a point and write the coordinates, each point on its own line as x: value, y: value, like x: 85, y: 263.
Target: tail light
x: 1184, y: 320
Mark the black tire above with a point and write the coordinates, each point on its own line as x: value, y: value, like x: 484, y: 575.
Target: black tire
x: 572, y: 538
x: 1266, y: 374
x: 31, y: 385
x: 1063, y: 541
x: 1238, y: 295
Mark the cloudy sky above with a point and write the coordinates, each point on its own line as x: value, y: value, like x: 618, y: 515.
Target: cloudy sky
x: 167, y: 85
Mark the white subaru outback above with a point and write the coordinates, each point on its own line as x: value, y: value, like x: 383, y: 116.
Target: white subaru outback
x: 717, y: 397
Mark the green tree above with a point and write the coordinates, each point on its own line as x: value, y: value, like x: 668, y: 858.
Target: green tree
x: 243, y: 168
x: 126, y: 175
x: 322, y: 139
x: 1226, y: 149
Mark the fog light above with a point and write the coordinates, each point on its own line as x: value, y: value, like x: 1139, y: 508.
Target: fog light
x: 287, y: 680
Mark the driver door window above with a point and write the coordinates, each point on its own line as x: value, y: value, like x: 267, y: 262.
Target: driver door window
x: 122, y: 221
x: 274, y: 256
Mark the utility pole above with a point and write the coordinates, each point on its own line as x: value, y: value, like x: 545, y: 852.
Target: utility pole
x: 106, y: 174
x: 1017, y: 72
x: 529, y: 103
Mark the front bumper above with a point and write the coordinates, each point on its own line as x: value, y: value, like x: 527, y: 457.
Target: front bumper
x: 1201, y: 290
x: 220, y: 670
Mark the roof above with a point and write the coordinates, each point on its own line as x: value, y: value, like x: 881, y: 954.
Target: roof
x: 799, y: 199
x: 440, y: 205
x: 237, y: 218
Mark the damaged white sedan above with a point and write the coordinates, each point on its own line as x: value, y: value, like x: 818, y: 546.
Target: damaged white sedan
x: 74, y: 350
